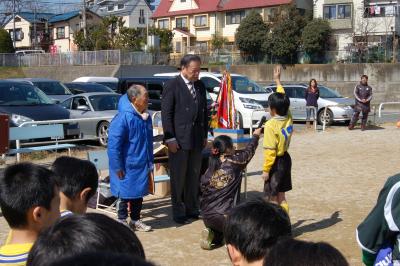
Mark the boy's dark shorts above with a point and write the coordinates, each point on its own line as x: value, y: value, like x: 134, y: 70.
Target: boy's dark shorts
x: 280, y: 176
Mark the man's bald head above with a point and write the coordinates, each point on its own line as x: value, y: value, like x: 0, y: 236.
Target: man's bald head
x: 138, y: 96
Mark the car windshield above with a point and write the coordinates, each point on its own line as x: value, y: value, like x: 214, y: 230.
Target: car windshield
x: 22, y: 94
x: 88, y: 88
x: 325, y: 92
x: 104, y: 102
x: 245, y: 86
x: 52, y: 87
x: 111, y: 85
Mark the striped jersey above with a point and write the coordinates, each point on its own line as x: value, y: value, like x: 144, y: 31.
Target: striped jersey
x: 14, y: 254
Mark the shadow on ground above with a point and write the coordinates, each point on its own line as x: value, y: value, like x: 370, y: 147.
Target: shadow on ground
x: 299, y: 229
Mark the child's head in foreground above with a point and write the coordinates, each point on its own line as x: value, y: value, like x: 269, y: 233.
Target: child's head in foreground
x: 29, y: 197
x: 252, y: 228
x: 78, y: 181
x: 75, y: 234
x: 278, y: 104
x: 291, y: 252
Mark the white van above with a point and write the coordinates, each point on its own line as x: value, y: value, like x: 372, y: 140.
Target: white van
x: 27, y: 52
x: 251, y: 99
x: 110, y: 82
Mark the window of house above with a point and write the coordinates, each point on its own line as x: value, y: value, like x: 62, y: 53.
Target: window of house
x: 270, y: 14
x: 183, y: 1
x: 142, y: 19
x: 17, y: 19
x: 121, y: 6
x: 235, y: 17
x: 381, y: 10
x: 181, y: 23
x: 344, y: 11
x: 163, y: 24
x: 178, y: 47
x: 110, y: 8
x: 330, y: 12
x: 200, y: 21
x: 60, y: 32
x: 18, y: 34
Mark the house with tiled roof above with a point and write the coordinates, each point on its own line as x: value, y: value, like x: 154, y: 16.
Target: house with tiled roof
x: 65, y: 25
x: 27, y: 24
x: 194, y: 22
x: 135, y: 13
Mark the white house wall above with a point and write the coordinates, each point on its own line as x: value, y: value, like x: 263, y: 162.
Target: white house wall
x: 177, y: 5
x: 24, y: 25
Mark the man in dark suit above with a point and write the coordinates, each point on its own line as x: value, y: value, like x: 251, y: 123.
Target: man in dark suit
x: 185, y: 124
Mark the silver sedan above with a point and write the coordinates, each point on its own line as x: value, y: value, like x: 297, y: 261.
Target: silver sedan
x: 93, y: 105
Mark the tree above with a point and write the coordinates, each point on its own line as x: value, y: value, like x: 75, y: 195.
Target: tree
x: 6, y: 43
x: 165, y: 38
x: 129, y: 39
x: 217, y: 42
x: 285, y: 37
x: 315, y: 39
x: 251, y: 34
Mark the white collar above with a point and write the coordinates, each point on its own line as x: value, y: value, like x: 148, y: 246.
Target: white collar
x: 185, y: 79
x: 144, y: 115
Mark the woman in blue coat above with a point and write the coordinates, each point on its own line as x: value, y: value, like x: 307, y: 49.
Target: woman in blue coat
x: 130, y: 152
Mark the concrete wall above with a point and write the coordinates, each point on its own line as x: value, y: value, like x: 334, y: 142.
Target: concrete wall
x: 384, y: 78
x: 69, y: 73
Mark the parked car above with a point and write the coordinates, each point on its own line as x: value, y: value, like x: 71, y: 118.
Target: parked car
x: 110, y: 82
x: 250, y: 98
x: 52, y: 88
x: 328, y: 97
x: 26, y: 103
x: 85, y: 87
x: 93, y: 105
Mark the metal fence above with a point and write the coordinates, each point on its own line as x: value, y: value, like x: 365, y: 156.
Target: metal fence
x: 84, y: 58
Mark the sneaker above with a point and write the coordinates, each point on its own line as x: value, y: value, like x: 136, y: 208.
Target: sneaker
x: 140, y: 226
x: 207, y: 237
x: 123, y: 221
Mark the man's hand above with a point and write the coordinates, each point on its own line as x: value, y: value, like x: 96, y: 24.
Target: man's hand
x: 205, y: 142
x: 364, y: 100
x: 258, y: 131
x: 173, y: 146
x: 121, y: 174
x: 265, y: 176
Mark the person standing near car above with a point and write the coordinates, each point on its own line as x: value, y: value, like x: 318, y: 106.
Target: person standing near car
x: 130, y: 153
x: 312, y: 95
x: 185, y: 125
x: 363, y: 97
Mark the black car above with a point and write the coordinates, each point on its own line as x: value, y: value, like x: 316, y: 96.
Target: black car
x: 24, y: 102
x: 85, y: 87
x: 154, y: 86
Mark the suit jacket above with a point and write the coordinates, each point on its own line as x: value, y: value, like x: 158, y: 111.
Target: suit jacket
x: 182, y: 117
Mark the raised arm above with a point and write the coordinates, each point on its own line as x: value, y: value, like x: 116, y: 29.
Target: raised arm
x: 277, y: 78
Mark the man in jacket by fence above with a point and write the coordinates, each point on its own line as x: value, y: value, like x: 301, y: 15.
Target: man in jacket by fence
x: 363, y: 97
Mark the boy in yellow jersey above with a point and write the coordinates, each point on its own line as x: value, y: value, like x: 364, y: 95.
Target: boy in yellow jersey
x: 29, y: 202
x: 78, y: 181
x: 277, y: 134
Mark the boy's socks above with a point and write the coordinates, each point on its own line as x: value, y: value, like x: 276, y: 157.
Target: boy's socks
x: 207, y: 237
x: 285, y: 206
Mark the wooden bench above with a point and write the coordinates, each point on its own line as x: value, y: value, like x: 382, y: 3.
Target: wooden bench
x: 55, y: 131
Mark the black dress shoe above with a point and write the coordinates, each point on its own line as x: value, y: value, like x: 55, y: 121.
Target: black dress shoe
x: 180, y: 220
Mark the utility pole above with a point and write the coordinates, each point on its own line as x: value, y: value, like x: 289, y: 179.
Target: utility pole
x: 34, y: 27
x: 13, y: 23
x: 84, y: 19
x: 395, y: 42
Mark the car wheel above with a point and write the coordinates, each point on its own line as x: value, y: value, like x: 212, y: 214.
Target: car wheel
x: 102, y: 133
x: 328, y: 118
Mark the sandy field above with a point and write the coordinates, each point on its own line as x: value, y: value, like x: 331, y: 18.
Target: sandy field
x: 337, y: 175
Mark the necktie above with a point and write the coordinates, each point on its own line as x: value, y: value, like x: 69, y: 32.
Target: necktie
x: 192, y: 90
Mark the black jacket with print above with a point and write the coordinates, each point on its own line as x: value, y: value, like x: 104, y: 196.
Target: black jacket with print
x: 218, y: 189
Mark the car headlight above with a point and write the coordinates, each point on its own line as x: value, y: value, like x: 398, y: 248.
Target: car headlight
x: 347, y: 108
x: 250, y: 103
x: 19, y: 119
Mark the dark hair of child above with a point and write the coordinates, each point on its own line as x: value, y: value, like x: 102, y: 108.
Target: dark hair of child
x: 291, y: 252
x: 22, y: 187
x: 219, y: 146
x: 74, y: 175
x: 279, y: 102
x: 75, y: 234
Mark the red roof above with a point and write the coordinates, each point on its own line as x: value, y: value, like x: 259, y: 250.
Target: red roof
x: 208, y: 6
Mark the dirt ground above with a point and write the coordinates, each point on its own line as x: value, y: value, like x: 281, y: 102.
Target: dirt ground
x: 336, y: 179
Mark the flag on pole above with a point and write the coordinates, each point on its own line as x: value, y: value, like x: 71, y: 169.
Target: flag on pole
x: 226, y: 113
